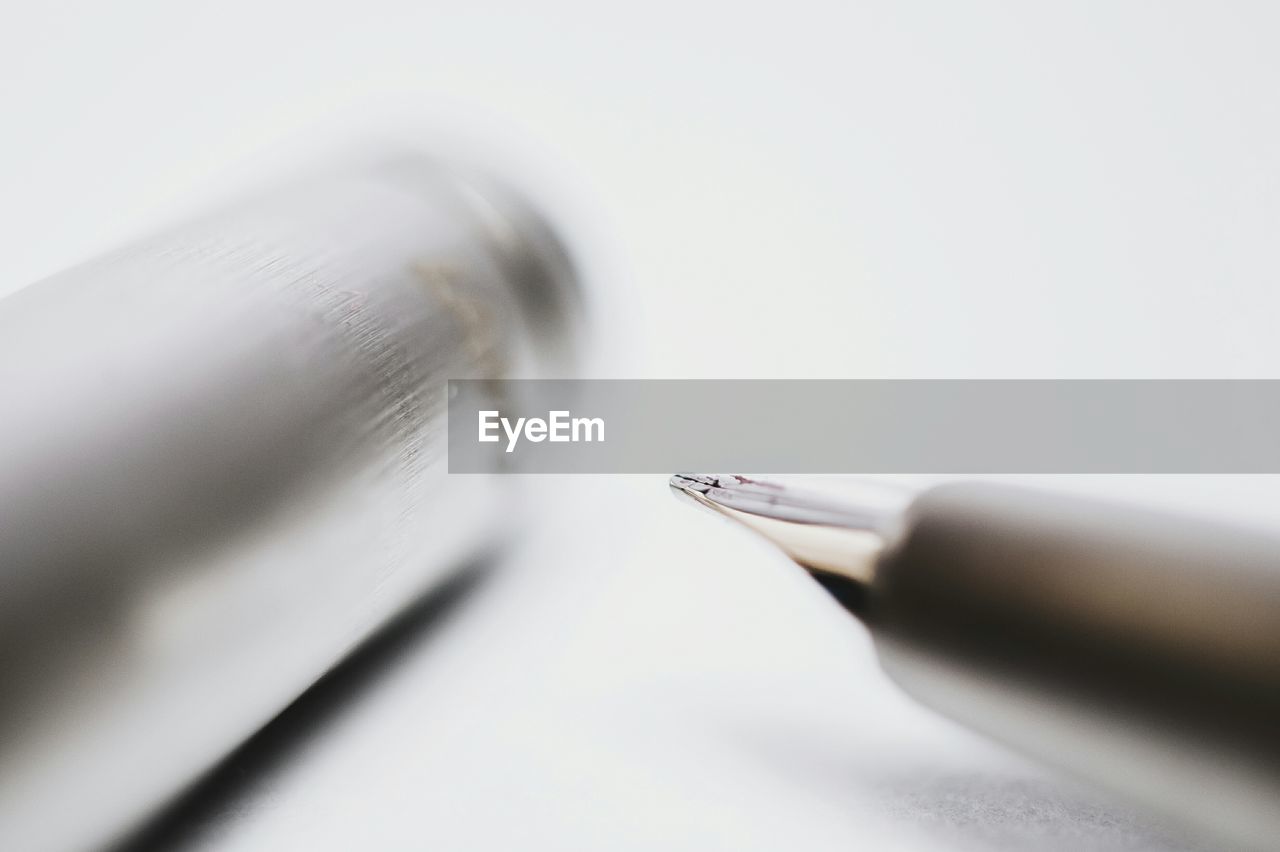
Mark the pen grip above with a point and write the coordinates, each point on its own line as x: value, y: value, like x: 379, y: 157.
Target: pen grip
x: 1137, y: 649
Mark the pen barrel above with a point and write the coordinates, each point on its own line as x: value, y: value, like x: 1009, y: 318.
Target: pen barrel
x: 1136, y: 649
x: 222, y: 465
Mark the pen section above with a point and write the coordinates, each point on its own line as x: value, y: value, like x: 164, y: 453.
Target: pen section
x: 1136, y: 649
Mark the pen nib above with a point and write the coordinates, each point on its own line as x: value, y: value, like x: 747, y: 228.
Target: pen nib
x: 836, y: 536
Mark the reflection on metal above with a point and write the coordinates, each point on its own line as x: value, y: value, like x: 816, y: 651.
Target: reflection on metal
x: 222, y: 466
x: 835, y: 539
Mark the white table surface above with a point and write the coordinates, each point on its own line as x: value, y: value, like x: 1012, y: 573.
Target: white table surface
x: 646, y: 677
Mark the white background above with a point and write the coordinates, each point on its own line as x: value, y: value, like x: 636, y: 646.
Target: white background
x: 909, y: 189
x: 927, y: 189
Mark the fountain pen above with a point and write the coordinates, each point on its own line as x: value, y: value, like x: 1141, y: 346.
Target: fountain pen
x: 1136, y: 650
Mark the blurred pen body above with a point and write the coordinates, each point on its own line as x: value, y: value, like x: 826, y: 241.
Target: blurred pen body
x: 222, y: 466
